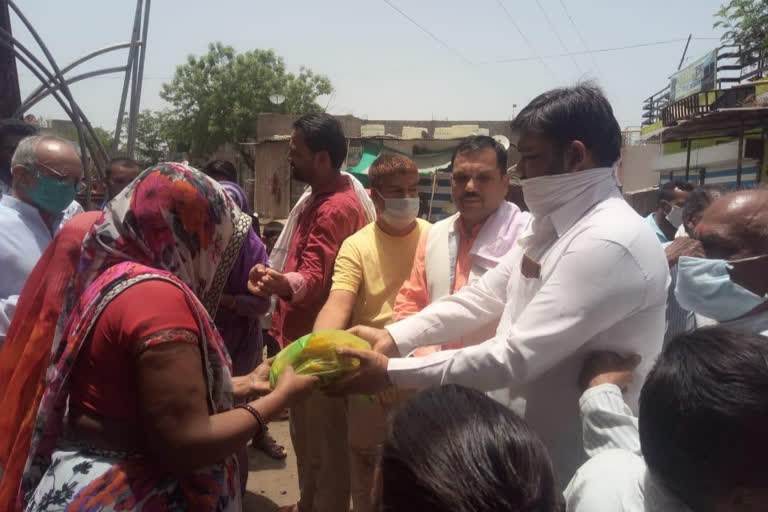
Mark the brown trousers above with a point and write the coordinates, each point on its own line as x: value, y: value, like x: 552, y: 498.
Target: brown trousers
x: 319, y: 435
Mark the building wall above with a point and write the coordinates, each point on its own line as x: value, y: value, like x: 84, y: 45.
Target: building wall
x: 270, y: 125
x: 636, y: 167
x: 274, y: 191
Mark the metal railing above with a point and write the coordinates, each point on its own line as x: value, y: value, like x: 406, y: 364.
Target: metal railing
x: 658, y: 108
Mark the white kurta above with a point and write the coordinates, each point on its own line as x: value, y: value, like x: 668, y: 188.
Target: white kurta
x: 23, y: 238
x: 602, y: 286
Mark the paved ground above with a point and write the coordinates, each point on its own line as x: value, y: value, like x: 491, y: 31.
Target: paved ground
x: 272, y: 483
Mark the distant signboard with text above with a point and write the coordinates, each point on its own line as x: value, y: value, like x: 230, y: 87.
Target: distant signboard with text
x: 698, y: 76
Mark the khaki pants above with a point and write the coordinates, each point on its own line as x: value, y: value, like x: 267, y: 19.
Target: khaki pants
x: 319, y: 435
x: 367, y: 426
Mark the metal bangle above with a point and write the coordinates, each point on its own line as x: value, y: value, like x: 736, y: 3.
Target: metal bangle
x: 259, y: 418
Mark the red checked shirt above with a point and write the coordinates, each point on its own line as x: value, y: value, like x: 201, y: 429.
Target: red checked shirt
x: 333, y: 213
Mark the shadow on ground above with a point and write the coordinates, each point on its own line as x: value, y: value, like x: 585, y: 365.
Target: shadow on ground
x: 258, y: 460
x: 258, y: 503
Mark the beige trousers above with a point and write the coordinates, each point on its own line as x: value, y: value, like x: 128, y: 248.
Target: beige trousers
x: 367, y: 426
x: 319, y: 435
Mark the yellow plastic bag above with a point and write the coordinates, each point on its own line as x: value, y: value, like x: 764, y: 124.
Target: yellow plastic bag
x: 315, y: 354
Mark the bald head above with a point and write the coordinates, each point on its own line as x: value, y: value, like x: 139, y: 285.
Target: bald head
x: 736, y: 226
x: 46, y: 169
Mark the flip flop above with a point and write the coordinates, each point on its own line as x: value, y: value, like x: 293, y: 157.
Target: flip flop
x: 269, y: 446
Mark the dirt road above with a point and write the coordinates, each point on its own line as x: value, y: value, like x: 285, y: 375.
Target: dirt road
x: 272, y: 483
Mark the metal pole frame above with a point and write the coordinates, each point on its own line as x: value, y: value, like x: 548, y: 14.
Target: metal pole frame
x: 15, y: 45
x: 53, y: 83
x: 136, y: 96
x: 67, y: 94
x: 32, y: 101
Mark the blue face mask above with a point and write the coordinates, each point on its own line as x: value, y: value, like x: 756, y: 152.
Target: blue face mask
x: 705, y: 287
x: 52, y: 195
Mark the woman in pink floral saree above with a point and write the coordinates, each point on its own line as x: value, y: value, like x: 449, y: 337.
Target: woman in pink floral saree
x: 136, y: 408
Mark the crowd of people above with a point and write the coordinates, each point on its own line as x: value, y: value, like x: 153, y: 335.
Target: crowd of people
x: 575, y: 356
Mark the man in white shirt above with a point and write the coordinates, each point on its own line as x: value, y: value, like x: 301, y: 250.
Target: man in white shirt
x: 587, y: 274
x: 703, y: 417
x: 47, y: 173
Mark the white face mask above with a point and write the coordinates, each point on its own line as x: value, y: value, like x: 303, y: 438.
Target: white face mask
x: 545, y: 194
x: 675, y: 216
x: 399, y: 212
x: 705, y: 287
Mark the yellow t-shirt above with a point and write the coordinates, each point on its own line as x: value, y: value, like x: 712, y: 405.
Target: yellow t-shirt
x: 374, y: 265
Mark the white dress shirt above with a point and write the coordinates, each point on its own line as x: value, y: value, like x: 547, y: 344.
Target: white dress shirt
x: 601, y: 286
x: 23, y: 238
x: 615, y: 478
x: 618, y: 481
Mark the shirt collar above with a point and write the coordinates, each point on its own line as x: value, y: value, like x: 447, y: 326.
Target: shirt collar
x: 27, y: 210
x: 656, y: 229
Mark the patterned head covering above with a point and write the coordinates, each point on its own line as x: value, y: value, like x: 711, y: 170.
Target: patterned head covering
x: 171, y: 223
x: 172, y: 218
x: 237, y: 194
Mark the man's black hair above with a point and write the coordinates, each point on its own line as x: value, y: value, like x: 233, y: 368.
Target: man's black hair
x: 667, y: 190
x: 700, y: 199
x: 222, y: 167
x: 323, y: 132
x: 273, y: 228
x: 121, y: 160
x: 574, y: 113
x: 477, y: 142
x: 704, y: 414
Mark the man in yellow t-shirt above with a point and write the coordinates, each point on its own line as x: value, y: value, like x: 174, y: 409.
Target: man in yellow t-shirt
x: 370, y: 268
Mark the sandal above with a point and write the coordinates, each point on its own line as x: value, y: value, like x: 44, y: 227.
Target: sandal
x: 269, y: 446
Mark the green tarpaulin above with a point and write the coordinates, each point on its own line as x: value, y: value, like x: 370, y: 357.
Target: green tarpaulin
x: 428, y: 163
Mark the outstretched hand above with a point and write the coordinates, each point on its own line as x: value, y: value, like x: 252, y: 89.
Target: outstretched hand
x: 293, y: 387
x: 380, y: 339
x: 370, y: 378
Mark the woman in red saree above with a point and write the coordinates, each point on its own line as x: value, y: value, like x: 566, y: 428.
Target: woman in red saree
x: 135, y: 411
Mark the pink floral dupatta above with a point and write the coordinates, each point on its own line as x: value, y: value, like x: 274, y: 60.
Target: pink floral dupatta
x: 174, y: 224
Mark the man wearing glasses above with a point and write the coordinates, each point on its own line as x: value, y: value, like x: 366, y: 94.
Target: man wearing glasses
x: 47, y: 174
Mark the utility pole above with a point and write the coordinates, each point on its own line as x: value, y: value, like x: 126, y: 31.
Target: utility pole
x: 684, y: 52
x: 10, y: 97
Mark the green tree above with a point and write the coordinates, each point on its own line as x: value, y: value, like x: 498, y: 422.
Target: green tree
x: 746, y: 24
x: 152, y: 136
x: 216, y: 98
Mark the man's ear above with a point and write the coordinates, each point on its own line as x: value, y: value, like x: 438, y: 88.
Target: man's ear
x: 322, y: 159
x: 576, y: 157
x: 20, y: 174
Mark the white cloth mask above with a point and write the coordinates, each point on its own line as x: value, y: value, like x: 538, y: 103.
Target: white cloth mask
x: 400, y: 212
x: 675, y: 216
x: 545, y: 194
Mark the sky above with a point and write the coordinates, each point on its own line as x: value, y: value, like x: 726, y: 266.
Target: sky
x: 466, y: 60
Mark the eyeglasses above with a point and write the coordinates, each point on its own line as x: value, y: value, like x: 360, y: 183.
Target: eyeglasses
x: 80, y: 185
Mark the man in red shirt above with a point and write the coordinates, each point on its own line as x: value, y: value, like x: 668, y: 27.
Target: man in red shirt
x: 322, y: 222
